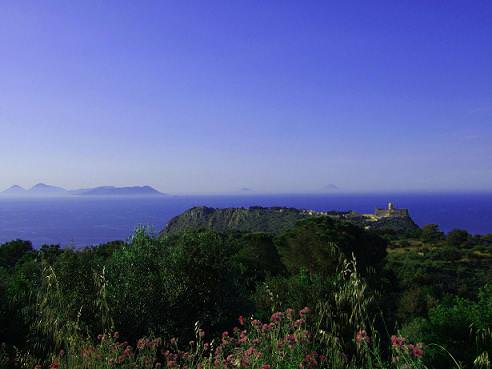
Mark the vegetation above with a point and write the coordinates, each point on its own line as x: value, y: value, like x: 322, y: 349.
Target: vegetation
x: 320, y: 293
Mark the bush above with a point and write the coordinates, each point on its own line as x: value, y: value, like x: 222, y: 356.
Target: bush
x: 317, y: 245
x: 457, y: 237
x: 459, y: 325
x: 161, y: 284
x: 431, y: 233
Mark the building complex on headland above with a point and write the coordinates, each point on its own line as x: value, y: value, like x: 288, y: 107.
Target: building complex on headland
x: 391, y: 211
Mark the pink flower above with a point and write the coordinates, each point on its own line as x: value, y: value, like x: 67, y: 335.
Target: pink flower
x: 362, y: 336
x: 417, y: 350
x: 276, y: 317
x: 256, y: 323
x: 299, y: 322
x: 397, y: 341
x: 290, y: 338
x: 304, y: 311
x: 241, y: 320
x: 265, y: 366
x: 289, y: 312
x: 141, y: 343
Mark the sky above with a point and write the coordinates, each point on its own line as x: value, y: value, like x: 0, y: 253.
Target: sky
x: 196, y: 97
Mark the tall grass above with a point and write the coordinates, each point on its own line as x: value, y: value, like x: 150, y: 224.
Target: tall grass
x: 338, y: 334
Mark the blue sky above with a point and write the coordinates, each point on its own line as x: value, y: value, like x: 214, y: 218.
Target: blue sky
x: 275, y: 96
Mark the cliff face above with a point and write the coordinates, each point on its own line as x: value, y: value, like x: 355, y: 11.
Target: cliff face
x: 253, y: 219
x: 271, y: 220
x: 396, y: 224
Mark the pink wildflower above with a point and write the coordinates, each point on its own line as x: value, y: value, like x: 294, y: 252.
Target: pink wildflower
x: 362, y: 336
x: 304, y: 311
x: 397, y: 341
x: 276, y: 317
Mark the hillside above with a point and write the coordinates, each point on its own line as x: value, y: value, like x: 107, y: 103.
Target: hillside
x: 256, y: 219
x: 274, y: 220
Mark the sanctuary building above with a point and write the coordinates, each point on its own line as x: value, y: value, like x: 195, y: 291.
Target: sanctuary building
x: 391, y: 211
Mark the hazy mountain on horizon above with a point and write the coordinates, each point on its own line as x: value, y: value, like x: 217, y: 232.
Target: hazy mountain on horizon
x: 39, y: 189
x: 124, y: 191
x: 330, y: 187
x: 15, y: 190
x: 42, y: 189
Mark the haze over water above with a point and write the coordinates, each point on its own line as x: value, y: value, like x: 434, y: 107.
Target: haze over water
x: 85, y: 221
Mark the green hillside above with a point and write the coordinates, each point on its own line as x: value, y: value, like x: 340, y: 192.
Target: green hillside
x: 276, y: 220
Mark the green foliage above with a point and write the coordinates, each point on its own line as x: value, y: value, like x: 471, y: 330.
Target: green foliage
x: 318, y: 243
x: 460, y: 325
x: 257, y: 259
x: 4, y: 357
x: 18, y: 282
x: 295, y: 291
x: 12, y: 252
x: 457, y: 237
x: 287, y: 339
x: 431, y: 233
x: 423, y: 273
x: 164, y: 283
x: 54, y: 298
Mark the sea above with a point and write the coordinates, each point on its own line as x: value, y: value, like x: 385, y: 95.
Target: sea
x: 79, y: 221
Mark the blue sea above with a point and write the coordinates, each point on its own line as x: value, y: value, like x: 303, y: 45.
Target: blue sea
x: 84, y: 221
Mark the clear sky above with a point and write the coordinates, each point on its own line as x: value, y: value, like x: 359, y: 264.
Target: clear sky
x: 273, y: 96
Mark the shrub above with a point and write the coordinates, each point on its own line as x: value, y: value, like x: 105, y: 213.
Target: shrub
x: 457, y: 237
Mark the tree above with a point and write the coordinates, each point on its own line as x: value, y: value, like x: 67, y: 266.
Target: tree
x: 431, y: 233
x: 12, y: 252
x: 164, y: 285
x: 257, y: 259
x: 460, y: 325
x: 457, y: 237
x: 316, y: 244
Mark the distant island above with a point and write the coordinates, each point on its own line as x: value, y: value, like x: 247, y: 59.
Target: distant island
x: 42, y: 189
